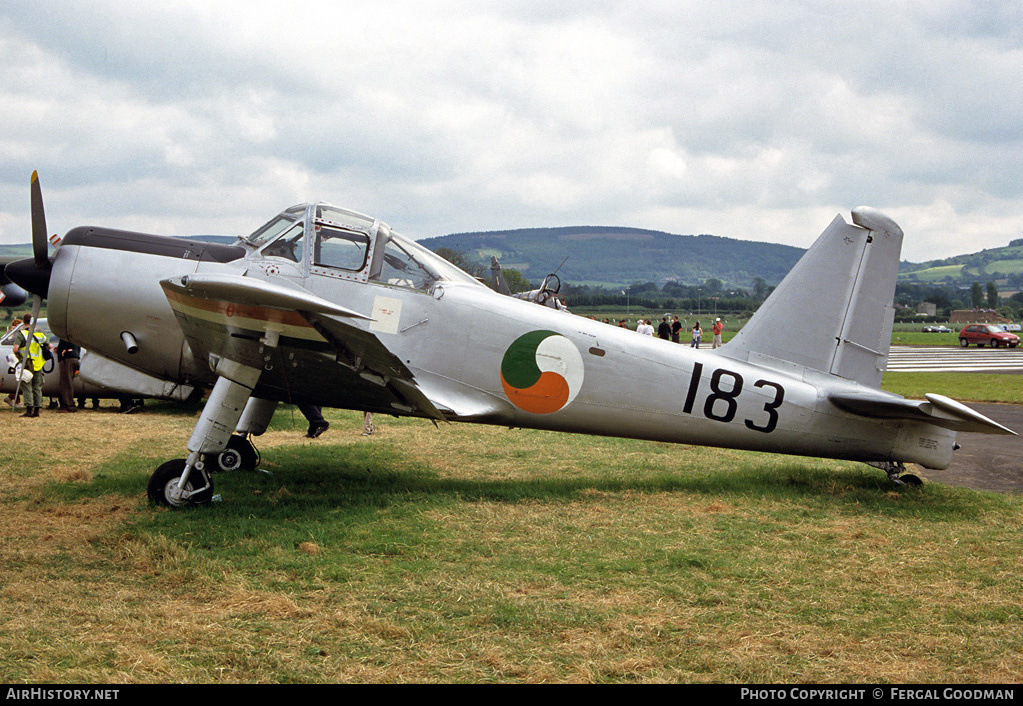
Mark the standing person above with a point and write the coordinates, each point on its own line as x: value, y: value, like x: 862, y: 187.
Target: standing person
x: 68, y: 357
x: 663, y: 329
x: 645, y: 328
x: 30, y: 353
x: 12, y: 360
x: 716, y: 329
x: 317, y: 424
x: 676, y: 330
x: 367, y: 424
x: 697, y: 335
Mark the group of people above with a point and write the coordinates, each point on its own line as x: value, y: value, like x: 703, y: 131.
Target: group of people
x: 673, y: 331
x: 32, y: 351
x: 30, y: 356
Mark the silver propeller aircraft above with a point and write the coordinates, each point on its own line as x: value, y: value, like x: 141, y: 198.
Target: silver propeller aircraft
x: 326, y: 306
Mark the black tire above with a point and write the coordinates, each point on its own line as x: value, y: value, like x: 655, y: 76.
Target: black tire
x: 964, y: 343
x: 240, y: 455
x: 910, y: 479
x: 170, y: 472
x: 994, y: 343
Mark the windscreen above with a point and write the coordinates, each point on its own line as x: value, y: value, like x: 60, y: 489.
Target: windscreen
x: 275, y: 226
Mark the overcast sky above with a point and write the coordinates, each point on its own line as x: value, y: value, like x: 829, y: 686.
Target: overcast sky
x: 751, y: 120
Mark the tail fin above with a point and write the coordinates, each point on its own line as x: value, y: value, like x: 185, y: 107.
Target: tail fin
x: 833, y: 312
x: 497, y: 278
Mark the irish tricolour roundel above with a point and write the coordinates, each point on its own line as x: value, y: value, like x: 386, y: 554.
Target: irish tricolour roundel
x: 542, y: 372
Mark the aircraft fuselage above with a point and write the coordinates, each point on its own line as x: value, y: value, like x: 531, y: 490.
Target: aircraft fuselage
x: 482, y: 357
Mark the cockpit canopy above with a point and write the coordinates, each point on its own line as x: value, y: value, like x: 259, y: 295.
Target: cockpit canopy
x: 348, y: 245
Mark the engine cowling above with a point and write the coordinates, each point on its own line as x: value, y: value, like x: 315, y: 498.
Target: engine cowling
x: 104, y: 290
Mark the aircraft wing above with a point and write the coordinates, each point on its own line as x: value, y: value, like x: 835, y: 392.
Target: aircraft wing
x: 285, y: 331
x: 361, y: 350
x: 937, y: 409
x: 238, y: 290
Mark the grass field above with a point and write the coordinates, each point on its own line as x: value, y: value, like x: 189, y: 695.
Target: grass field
x: 479, y: 554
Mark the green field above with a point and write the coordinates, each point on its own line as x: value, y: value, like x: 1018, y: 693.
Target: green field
x: 975, y: 387
x: 1005, y: 266
x: 479, y: 554
x: 934, y: 274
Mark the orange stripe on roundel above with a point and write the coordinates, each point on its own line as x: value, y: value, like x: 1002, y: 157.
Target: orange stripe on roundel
x: 549, y: 394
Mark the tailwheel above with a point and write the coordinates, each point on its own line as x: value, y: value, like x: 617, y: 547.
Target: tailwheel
x: 896, y: 471
x: 239, y: 455
x: 163, y: 486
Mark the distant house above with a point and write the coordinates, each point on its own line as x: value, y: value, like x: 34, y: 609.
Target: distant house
x: 976, y: 316
x: 927, y: 309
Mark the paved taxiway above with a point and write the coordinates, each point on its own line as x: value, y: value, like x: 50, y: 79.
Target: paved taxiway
x: 985, y: 461
x: 910, y: 359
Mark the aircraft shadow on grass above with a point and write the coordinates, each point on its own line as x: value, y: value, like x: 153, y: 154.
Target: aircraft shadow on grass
x: 300, y: 482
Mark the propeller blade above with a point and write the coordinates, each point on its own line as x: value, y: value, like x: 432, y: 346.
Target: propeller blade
x: 39, y: 240
x: 37, y: 302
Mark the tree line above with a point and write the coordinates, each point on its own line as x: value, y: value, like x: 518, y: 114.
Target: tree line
x: 713, y: 295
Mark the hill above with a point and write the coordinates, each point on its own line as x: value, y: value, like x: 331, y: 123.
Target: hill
x: 614, y: 256
x: 620, y: 256
x: 995, y: 264
x: 15, y: 252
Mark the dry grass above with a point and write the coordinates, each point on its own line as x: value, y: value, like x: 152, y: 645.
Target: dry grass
x: 508, y: 556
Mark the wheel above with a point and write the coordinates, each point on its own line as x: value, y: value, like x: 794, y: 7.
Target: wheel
x: 994, y: 343
x: 160, y: 485
x: 964, y: 343
x: 910, y: 479
x: 240, y: 454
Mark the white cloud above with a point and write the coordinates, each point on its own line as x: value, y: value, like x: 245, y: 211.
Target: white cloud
x: 757, y: 121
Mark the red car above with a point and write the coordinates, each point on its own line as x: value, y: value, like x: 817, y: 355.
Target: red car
x: 982, y: 334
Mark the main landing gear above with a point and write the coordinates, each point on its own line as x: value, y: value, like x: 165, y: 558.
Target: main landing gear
x: 896, y: 471
x: 239, y: 455
x: 166, y: 488
x: 212, y: 446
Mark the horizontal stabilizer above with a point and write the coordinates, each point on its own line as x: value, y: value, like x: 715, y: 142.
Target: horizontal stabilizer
x: 937, y: 409
x: 255, y: 292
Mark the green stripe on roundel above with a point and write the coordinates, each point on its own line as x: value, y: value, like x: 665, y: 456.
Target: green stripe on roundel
x: 519, y: 367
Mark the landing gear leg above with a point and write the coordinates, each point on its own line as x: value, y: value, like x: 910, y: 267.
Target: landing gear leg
x: 189, y: 482
x: 896, y: 471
